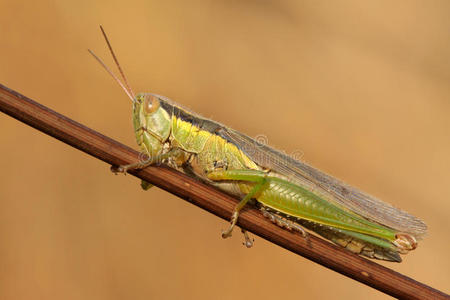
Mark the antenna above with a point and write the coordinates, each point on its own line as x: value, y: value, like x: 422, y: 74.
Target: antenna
x: 116, y: 61
x: 125, y: 86
x: 112, y: 75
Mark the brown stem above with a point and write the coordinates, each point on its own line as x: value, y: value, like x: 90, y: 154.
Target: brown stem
x: 212, y: 200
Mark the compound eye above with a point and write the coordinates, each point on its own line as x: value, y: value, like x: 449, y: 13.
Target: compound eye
x: 151, y: 104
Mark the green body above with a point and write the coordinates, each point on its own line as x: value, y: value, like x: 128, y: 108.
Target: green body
x: 291, y: 193
x: 161, y: 126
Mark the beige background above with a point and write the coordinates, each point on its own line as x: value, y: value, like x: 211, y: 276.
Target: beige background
x: 361, y: 88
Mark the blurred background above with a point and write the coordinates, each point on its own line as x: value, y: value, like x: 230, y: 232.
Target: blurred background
x: 360, y: 88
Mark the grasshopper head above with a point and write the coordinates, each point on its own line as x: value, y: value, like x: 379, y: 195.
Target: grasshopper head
x: 151, y: 123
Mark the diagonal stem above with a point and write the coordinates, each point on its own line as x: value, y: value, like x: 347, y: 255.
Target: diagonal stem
x: 212, y: 200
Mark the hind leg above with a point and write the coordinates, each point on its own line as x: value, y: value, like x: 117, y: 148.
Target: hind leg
x: 255, y: 190
x: 257, y: 178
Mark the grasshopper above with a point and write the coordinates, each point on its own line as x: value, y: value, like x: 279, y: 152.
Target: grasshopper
x: 289, y: 192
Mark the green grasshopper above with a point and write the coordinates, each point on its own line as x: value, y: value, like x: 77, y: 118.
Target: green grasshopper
x: 290, y: 193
